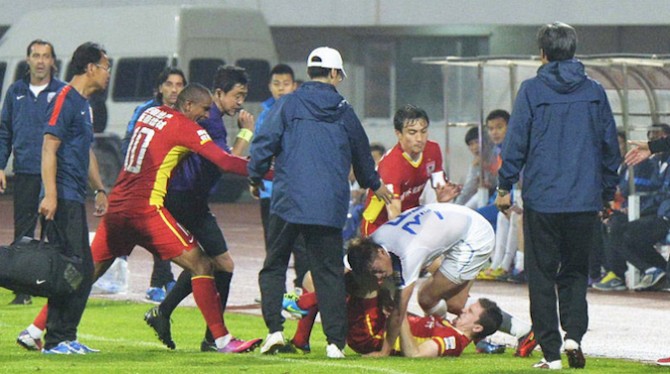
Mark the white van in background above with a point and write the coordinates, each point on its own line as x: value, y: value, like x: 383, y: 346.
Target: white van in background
x: 141, y: 41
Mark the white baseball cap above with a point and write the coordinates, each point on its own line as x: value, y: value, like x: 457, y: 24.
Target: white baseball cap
x: 329, y: 58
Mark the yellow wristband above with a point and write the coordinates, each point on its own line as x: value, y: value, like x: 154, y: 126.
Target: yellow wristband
x: 245, y: 134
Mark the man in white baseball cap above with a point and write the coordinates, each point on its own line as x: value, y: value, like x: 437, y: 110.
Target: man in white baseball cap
x: 316, y: 124
x: 326, y: 57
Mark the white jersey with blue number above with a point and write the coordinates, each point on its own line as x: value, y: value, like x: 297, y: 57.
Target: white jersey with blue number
x: 420, y: 235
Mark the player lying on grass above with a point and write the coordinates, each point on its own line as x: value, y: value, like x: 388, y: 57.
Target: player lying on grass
x: 397, y: 253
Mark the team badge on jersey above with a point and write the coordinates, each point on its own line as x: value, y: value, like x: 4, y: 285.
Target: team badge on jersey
x: 430, y: 167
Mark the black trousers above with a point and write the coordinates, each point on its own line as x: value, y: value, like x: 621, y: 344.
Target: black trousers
x: 65, y: 311
x: 300, y: 261
x: 27, y: 189
x: 324, y: 251
x: 556, y: 261
x: 636, y: 242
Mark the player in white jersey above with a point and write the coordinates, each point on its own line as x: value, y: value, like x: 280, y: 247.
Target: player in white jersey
x: 404, y: 246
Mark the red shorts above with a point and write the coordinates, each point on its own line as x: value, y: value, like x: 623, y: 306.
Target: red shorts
x: 366, y: 325
x: 156, y: 230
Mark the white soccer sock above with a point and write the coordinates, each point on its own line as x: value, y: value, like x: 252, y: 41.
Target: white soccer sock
x: 514, y: 326
x: 223, y: 341
x: 34, y: 332
x: 440, y: 309
x: 518, y: 261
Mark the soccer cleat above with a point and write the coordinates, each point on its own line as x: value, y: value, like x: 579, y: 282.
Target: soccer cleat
x: 663, y: 361
x: 161, y: 326
x: 290, y: 305
x: 240, y: 346
x: 576, y: 358
x: 551, y: 365
x: 155, y: 294
x: 21, y: 299
x: 611, y: 282
x: 333, y: 352
x: 304, y: 348
x: 207, y: 346
x: 273, y: 342
x: 527, y: 344
x: 486, y: 346
x: 651, y: 278
x: 28, y: 342
x: 63, y: 348
x: 81, y: 349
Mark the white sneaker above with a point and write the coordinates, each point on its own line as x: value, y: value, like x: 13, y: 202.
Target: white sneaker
x: 551, y: 365
x: 333, y: 352
x: 273, y: 342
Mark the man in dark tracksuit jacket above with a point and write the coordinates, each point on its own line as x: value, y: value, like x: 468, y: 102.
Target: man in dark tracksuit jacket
x: 315, y: 136
x: 563, y: 135
x: 24, y: 114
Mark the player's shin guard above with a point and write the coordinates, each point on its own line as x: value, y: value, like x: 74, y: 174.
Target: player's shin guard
x: 40, y: 321
x: 222, y: 280
x: 207, y: 299
x: 305, y: 325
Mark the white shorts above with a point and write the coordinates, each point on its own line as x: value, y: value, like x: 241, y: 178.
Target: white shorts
x: 466, y: 259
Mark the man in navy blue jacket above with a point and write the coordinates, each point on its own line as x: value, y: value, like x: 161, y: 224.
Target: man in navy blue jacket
x: 24, y: 114
x: 315, y: 137
x: 562, y: 134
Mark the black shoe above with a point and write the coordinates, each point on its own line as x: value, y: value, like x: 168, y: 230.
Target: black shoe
x: 161, y: 326
x: 207, y: 346
x: 21, y: 299
x: 575, y: 355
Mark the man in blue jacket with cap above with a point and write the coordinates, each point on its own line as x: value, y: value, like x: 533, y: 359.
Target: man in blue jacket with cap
x: 315, y: 137
x: 562, y: 134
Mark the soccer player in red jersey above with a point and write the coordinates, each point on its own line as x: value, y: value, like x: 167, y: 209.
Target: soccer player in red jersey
x: 136, y: 216
x: 406, y: 168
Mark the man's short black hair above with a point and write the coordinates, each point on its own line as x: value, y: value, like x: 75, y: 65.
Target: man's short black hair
x: 498, y: 113
x: 163, y: 77
x: 361, y: 253
x: 193, y: 92
x: 472, y: 134
x: 87, y: 53
x: 490, y: 319
x: 558, y: 41
x: 409, y: 113
x: 228, y: 76
x: 319, y: 72
x: 282, y: 69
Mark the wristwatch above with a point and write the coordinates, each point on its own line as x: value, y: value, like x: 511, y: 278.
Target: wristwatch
x: 501, y: 192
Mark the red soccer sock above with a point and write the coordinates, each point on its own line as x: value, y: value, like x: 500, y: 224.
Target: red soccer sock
x: 305, y: 325
x: 41, y: 320
x: 307, y: 300
x: 207, y: 299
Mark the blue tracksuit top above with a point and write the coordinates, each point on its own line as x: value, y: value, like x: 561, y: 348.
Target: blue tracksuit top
x: 22, y: 125
x: 315, y: 136
x: 196, y: 174
x: 266, y: 193
x: 562, y: 133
